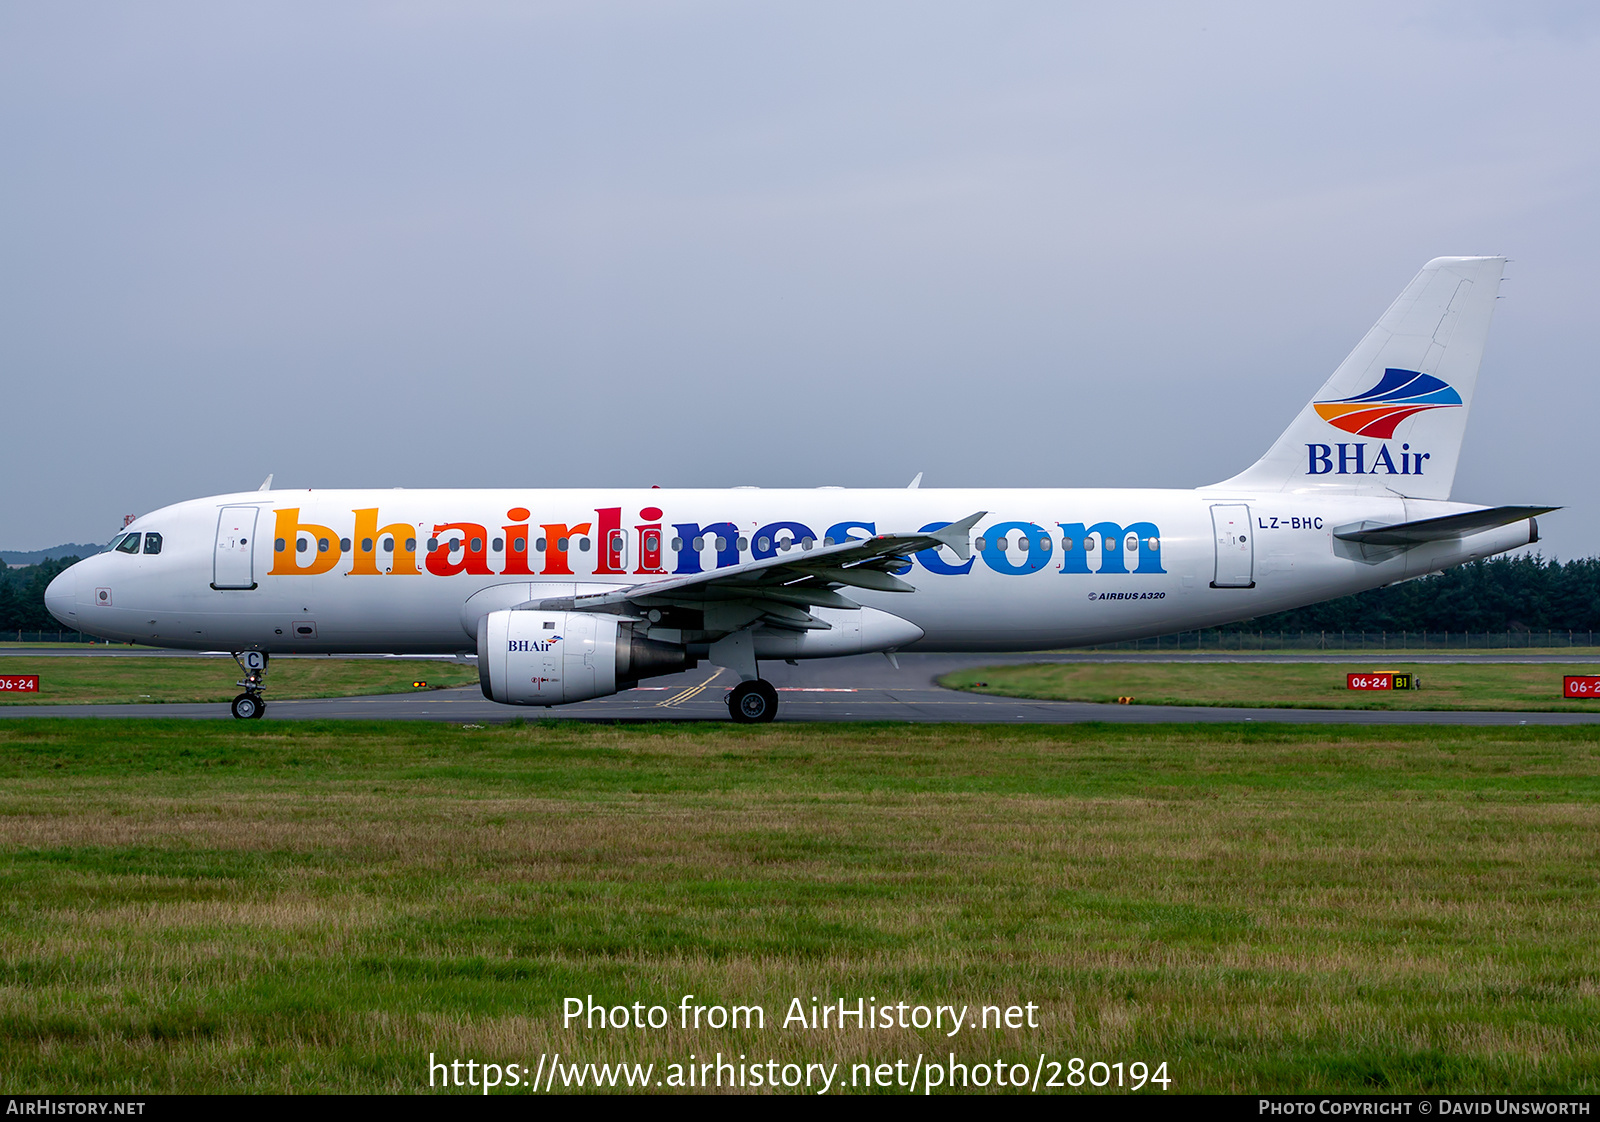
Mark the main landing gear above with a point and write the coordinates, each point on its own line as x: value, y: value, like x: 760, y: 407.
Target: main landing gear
x: 753, y: 702
x: 249, y: 704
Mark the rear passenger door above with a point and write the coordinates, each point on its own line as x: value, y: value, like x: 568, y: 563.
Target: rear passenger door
x: 1236, y: 553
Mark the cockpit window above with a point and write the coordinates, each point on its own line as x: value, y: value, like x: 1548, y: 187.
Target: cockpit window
x: 129, y: 544
x: 152, y: 543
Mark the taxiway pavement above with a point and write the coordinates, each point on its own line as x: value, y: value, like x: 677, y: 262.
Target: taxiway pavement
x: 863, y: 688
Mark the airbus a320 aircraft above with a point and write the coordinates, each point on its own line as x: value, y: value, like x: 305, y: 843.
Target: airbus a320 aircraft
x: 566, y: 595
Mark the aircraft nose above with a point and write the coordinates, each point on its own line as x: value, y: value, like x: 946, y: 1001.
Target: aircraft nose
x: 61, y: 597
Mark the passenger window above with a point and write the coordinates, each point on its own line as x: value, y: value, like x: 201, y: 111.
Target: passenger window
x: 433, y: 544
x: 583, y: 545
x: 520, y: 544
x: 477, y: 545
x: 344, y: 545
x: 540, y: 544
x: 129, y: 544
x: 322, y: 545
x: 366, y: 545
x: 388, y: 545
x: 300, y: 545
x: 411, y: 545
x: 279, y: 545
x: 152, y: 543
x: 499, y: 544
x: 980, y: 544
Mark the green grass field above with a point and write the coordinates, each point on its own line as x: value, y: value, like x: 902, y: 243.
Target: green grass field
x: 107, y: 680
x: 317, y: 907
x: 1282, y: 685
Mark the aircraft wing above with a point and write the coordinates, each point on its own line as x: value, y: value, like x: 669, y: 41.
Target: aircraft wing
x: 778, y: 590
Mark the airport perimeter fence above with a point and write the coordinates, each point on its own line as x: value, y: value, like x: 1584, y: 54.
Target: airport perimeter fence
x: 1364, y: 641
x: 61, y: 636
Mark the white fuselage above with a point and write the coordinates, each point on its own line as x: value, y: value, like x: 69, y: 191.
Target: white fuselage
x: 328, y: 570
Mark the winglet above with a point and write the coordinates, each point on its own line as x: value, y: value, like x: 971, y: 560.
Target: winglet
x: 958, y: 535
x: 266, y: 484
x: 915, y: 483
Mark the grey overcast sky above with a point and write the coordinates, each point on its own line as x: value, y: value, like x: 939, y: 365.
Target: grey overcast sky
x: 707, y: 244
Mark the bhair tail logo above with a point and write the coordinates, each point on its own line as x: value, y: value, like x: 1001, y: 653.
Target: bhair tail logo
x: 1398, y: 395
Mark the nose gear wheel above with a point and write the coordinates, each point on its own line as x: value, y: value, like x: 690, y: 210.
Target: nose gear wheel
x: 249, y: 705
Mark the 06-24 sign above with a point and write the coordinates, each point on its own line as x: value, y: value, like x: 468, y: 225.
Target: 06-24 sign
x: 1381, y: 680
x: 20, y: 683
x: 1370, y: 682
x: 1581, y: 685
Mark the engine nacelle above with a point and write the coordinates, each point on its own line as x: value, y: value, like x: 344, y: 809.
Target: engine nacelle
x: 552, y: 658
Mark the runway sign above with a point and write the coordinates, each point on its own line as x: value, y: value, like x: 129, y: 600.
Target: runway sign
x: 1580, y: 685
x: 20, y: 683
x: 1380, y: 680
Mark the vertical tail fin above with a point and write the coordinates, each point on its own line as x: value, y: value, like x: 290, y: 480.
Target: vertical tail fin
x: 1391, y: 418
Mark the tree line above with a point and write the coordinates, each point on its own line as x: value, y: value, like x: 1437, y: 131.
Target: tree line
x: 1525, y: 593
x: 22, y: 596
x: 1500, y: 594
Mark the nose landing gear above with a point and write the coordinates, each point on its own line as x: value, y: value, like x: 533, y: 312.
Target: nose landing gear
x: 249, y: 704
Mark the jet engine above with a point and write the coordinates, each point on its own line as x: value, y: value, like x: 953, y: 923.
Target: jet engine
x: 551, y: 658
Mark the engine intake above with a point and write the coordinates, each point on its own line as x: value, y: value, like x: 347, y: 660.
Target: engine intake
x: 552, y: 658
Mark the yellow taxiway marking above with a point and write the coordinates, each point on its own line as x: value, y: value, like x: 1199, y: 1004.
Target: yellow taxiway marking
x: 685, y: 695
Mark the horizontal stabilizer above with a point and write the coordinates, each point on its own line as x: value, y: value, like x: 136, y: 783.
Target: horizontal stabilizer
x: 1438, y: 529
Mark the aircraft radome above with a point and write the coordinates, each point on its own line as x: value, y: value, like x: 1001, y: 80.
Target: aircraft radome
x: 566, y: 595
